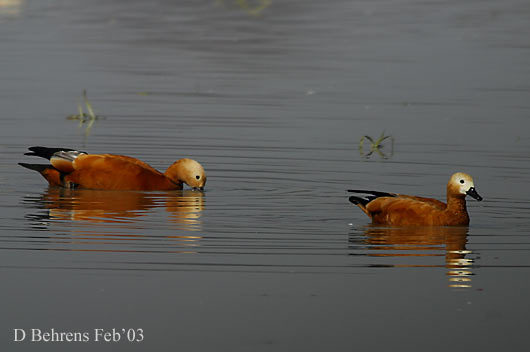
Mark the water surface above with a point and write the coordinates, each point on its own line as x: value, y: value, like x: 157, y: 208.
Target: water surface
x: 273, y: 102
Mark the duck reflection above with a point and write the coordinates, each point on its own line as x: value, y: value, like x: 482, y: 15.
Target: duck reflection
x: 183, y: 207
x: 422, y: 242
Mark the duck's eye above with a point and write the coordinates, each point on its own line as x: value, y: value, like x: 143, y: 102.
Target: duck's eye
x: 198, y: 177
x: 462, y: 181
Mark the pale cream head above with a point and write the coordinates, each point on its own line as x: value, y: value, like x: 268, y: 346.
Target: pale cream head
x: 188, y: 171
x: 462, y: 183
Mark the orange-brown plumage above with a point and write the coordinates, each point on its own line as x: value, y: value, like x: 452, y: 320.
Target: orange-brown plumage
x: 403, y: 210
x: 72, y: 169
x: 116, y: 172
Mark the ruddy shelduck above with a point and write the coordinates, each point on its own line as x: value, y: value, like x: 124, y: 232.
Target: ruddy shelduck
x: 402, y: 210
x: 70, y: 168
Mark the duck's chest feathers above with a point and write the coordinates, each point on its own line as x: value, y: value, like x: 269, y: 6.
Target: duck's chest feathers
x: 456, y: 212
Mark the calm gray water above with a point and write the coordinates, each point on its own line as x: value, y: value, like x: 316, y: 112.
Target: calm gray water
x: 272, y: 97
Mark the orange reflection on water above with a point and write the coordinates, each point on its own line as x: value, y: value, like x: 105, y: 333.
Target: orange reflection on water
x: 183, y: 207
x: 95, y: 206
x: 425, y: 242
x: 112, y: 221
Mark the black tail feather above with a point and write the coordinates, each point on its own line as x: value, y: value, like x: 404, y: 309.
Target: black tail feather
x: 37, y: 167
x: 45, y: 152
x: 358, y: 200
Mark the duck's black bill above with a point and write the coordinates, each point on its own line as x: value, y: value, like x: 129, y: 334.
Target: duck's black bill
x: 198, y: 189
x: 473, y: 193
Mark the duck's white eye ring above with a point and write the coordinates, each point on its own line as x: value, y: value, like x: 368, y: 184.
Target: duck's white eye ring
x: 198, y: 177
x: 462, y: 181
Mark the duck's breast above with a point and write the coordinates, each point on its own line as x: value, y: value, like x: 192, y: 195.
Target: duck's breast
x: 403, y: 211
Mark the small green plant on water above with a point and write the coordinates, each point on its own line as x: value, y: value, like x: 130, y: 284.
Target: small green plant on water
x: 376, y: 146
x: 88, y: 118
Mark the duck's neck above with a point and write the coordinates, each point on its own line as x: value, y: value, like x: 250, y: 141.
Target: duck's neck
x: 456, y: 209
x: 456, y: 203
x: 173, y: 173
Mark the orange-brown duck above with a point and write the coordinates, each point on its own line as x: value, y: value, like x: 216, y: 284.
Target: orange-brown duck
x: 74, y: 169
x: 403, y: 210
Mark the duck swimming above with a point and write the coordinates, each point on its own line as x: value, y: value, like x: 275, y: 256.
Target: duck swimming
x: 404, y: 210
x: 70, y: 168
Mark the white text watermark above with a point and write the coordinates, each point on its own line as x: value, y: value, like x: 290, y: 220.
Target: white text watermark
x: 113, y: 335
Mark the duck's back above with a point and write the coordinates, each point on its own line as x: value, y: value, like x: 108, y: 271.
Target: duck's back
x: 116, y: 172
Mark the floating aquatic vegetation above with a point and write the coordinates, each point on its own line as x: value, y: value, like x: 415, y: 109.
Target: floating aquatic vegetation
x: 88, y: 118
x: 376, y: 146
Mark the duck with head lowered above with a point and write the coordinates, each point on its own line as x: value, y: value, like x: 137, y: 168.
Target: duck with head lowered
x: 70, y: 168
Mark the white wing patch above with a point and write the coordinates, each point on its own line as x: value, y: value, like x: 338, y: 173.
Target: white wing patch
x: 63, y: 160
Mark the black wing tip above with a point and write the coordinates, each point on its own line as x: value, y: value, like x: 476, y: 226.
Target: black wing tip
x: 38, y: 150
x: 45, y: 152
x: 367, y: 198
x: 374, y: 193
